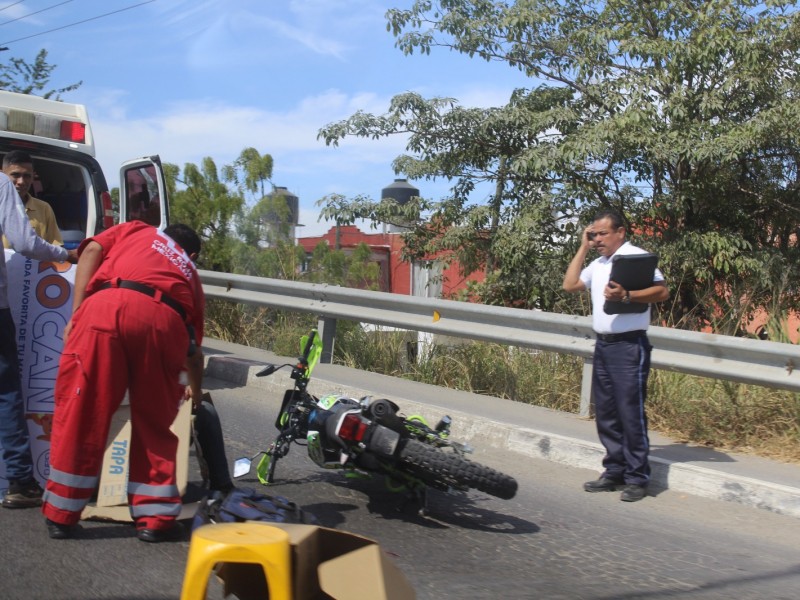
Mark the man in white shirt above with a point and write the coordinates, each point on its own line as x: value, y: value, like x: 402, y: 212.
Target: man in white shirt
x: 18, y: 165
x: 23, y: 490
x: 621, y: 357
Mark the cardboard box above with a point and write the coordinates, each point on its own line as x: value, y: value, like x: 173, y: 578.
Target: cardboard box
x: 326, y: 564
x: 112, y: 492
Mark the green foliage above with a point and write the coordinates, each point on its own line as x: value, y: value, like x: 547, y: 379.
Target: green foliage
x: 384, y: 351
x: 209, y: 206
x: 282, y: 260
x: 254, y: 239
x: 468, y: 147
x: 343, y: 211
x: 274, y: 330
x: 266, y: 223
x: 250, y: 172
x: 354, y: 268
x: 664, y: 111
x: 362, y: 271
x: 32, y: 78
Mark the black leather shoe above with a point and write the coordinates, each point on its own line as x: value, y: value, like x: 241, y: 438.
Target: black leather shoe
x: 633, y: 493
x: 604, y: 484
x: 57, y: 531
x: 176, y: 533
x: 27, y: 494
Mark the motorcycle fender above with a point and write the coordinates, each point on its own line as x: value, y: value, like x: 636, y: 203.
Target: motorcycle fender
x: 383, y: 441
x: 317, y: 453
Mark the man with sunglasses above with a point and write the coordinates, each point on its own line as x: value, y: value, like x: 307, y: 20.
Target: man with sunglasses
x: 621, y: 357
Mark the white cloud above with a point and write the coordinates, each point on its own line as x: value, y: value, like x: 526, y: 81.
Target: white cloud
x: 186, y: 131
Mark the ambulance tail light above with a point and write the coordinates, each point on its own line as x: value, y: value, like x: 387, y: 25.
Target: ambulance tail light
x: 73, y: 131
x: 108, y: 210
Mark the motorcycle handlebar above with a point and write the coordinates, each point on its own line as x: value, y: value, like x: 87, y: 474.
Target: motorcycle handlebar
x: 270, y: 369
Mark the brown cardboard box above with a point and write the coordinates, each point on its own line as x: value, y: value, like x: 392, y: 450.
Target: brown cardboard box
x: 112, y: 492
x: 326, y: 564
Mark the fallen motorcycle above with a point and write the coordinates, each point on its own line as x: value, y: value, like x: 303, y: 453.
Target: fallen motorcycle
x: 367, y: 436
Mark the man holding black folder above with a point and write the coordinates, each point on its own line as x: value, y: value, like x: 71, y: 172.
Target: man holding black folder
x: 620, y: 318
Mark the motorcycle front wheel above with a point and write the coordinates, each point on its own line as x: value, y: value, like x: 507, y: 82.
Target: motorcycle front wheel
x: 438, y: 469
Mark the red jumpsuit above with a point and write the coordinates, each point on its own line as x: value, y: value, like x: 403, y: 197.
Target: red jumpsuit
x: 121, y: 340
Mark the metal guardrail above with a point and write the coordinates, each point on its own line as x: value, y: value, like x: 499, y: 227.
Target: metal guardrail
x: 742, y: 360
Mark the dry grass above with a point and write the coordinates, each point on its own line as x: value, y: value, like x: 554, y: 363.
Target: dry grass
x: 725, y: 415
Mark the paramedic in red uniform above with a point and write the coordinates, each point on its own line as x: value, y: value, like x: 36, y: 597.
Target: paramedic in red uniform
x: 137, y: 299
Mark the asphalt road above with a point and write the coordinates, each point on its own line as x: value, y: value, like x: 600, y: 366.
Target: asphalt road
x: 551, y: 541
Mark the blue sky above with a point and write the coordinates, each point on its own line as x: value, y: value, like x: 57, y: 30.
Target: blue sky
x: 190, y: 79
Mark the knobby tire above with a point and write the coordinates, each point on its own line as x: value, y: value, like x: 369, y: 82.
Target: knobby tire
x: 435, y: 466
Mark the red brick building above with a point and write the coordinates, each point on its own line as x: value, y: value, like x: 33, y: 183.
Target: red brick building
x: 396, y: 276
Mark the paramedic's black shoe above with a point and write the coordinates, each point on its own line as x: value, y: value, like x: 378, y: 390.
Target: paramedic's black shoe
x: 176, y: 533
x: 633, y: 493
x: 604, y: 484
x: 57, y: 531
x: 23, y: 494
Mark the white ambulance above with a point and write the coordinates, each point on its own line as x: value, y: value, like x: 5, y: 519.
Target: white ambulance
x: 59, y: 139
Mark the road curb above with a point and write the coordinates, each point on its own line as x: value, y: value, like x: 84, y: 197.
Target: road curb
x: 666, y: 474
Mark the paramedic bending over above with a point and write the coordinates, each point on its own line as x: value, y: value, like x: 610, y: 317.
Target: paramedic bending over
x: 137, y: 299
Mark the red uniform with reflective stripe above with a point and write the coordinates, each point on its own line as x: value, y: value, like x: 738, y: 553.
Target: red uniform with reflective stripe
x: 122, y: 339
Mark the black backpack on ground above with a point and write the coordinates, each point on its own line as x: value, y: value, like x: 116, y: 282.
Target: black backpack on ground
x: 246, y: 504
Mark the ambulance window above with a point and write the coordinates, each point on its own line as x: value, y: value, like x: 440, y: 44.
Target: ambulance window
x: 63, y: 186
x: 142, y: 189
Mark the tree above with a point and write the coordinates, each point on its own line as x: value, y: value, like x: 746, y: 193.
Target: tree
x: 343, y: 211
x: 267, y: 222
x: 207, y: 205
x: 350, y: 268
x: 250, y: 172
x: 26, y: 78
x: 664, y: 110
x: 469, y: 146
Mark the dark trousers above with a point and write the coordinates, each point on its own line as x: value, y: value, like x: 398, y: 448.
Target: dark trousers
x: 619, y: 387
x: 208, y: 432
x: 13, y: 427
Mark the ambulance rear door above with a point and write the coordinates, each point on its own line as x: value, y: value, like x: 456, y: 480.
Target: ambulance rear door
x: 143, y: 192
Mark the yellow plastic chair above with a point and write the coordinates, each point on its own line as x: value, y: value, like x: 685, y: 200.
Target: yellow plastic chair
x: 255, y: 543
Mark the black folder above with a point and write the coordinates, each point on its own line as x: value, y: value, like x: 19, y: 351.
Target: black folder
x: 632, y: 272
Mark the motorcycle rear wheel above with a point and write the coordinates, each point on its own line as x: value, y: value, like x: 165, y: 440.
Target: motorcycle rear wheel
x: 438, y: 469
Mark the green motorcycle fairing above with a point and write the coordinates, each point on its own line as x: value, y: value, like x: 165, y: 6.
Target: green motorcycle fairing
x: 317, y: 453
x: 314, y: 353
x: 263, y: 468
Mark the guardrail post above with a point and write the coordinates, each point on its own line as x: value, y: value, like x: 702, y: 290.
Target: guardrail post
x: 326, y: 327
x: 586, y: 389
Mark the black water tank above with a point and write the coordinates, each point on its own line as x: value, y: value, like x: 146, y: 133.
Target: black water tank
x: 401, y: 191
x: 292, y: 201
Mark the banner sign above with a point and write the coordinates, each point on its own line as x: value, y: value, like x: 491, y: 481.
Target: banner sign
x: 40, y: 297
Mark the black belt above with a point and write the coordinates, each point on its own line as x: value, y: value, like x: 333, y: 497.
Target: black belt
x: 147, y: 291
x: 628, y: 336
